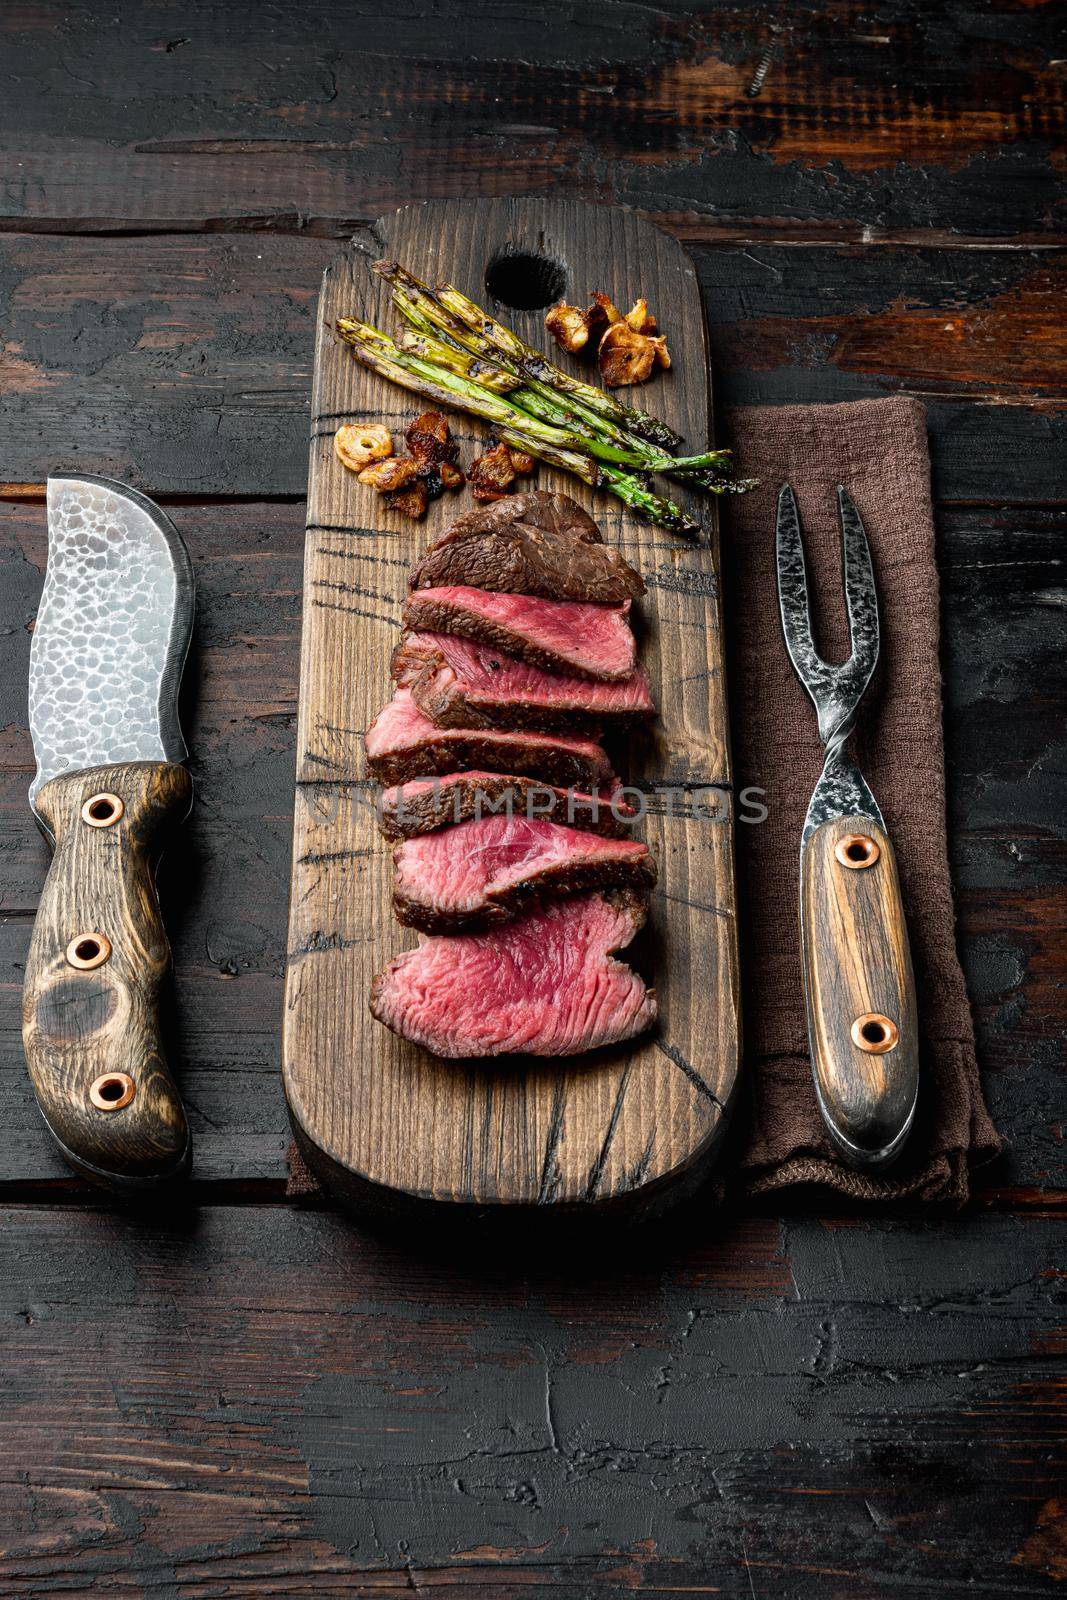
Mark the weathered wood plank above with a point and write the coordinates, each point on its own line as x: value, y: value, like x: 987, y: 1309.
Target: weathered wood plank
x: 1004, y: 595
x: 262, y: 1402
x: 225, y: 880
x: 181, y: 362
x: 941, y: 323
x: 184, y: 364
x: 797, y: 118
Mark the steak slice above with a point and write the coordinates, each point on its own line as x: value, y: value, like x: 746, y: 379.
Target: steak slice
x: 563, y: 635
x: 402, y: 743
x: 460, y: 684
x: 487, y: 871
x: 546, y: 985
x: 410, y: 809
x: 533, y: 543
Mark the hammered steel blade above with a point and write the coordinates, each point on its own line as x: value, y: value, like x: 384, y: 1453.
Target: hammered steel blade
x: 112, y: 632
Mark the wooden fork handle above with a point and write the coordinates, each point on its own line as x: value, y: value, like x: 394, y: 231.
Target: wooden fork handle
x: 97, y: 959
x: 860, y: 989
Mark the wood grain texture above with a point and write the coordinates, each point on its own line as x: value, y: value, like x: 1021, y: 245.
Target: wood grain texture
x: 770, y: 118
x: 81, y: 1024
x: 370, y: 1110
x: 857, y: 962
x: 248, y: 1403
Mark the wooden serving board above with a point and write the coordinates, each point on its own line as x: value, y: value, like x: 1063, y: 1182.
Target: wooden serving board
x: 378, y: 1119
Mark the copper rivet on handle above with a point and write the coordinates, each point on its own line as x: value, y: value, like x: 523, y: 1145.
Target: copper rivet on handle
x: 102, y: 810
x: 857, y: 850
x: 874, y: 1033
x: 112, y: 1090
x: 88, y: 950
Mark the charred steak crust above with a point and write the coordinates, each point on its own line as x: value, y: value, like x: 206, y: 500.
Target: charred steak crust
x: 539, y: 508
x: 407, y: 810
x: 518, y: 899
x: 489, y: 870
x: 590, y: 640
x: 402, y: 744
x: 459, y: 684
x: 547, y: 984
x: 534, y: 543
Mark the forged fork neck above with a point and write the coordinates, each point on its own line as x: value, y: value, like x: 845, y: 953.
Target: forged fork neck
x: 836, y: 737
x: 837, y: 718
x: 842, y: 790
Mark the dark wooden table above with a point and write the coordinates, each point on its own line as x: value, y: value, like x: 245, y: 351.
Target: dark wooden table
x: 234, y: 1398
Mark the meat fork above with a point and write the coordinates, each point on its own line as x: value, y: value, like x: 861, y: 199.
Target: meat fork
x: 858, y: 982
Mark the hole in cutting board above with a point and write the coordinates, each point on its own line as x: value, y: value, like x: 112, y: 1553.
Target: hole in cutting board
x: 525, y: 281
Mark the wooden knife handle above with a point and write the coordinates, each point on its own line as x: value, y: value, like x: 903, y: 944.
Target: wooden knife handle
x: 860, y: 988
x: 97, y: 958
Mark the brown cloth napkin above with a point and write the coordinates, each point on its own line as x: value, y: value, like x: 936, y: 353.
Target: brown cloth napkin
x: 877, y: 448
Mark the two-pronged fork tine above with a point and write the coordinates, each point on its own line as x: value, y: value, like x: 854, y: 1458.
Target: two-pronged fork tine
x: 835, y: 690
x: 861, y: 595
x: 857, y: 965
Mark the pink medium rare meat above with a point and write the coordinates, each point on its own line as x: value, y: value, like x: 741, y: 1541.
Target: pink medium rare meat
x: 488, y: 871
x: 461, y: 684
x: 546, y: 985
x: 532, y: 543
x: 402, y: 743
x: 409, y: 809
x: 594, y: 641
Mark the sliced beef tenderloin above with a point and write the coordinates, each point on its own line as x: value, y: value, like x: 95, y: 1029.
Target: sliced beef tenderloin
x: 460, y: 684
x: 563, y: 635
x: 488, y: 871
x: 534, y: 543
x: 545, y: 985
x: 407, y: 810
x: 403, y: 743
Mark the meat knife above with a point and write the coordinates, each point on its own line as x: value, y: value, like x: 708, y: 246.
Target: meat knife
x: 106, y: 660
